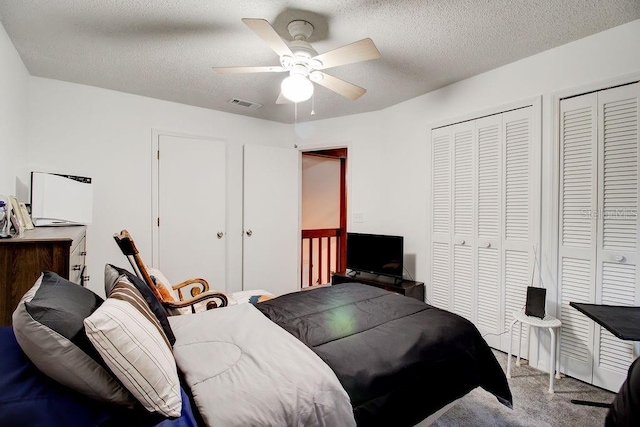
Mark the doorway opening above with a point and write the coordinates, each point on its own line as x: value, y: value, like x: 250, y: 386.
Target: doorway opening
x: 324, y: 215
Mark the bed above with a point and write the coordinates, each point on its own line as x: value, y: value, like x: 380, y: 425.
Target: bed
x: 399, y: 359
x: 336, y: 356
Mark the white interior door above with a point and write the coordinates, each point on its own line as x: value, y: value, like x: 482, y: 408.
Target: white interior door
x: 577, y: 248
x: 440, y: 289
x: 271, y: 258
x: 598, y: 249
x: 488, y: 244
x: 192, y: 209
x: 464, y: 284
x: 617, y: 253
x: 520, y: 202
x: 484, y: 200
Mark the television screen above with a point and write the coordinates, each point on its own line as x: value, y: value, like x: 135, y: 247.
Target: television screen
x: 375, y: 253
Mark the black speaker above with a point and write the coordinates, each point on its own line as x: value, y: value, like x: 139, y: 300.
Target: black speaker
x: 536, y: 299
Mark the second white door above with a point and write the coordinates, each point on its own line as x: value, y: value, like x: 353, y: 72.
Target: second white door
x: 192, y: 209
x: 271, y: 247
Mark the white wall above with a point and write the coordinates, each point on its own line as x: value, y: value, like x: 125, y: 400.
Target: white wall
x: 106, y: 135
x: 361, y: 135
x: 320, y: 192
x: 14, y: 86
x: 389, y: 147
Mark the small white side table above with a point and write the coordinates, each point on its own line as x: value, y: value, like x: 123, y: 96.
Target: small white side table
x: 549, y: 322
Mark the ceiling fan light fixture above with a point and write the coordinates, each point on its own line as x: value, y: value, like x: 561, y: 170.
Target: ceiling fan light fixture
x: 297, y: 88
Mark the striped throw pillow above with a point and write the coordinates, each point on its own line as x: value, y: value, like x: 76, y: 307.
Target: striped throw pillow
x: 132, y: 343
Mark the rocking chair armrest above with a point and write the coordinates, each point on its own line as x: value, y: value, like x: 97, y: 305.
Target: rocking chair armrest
x: 196, y: 290
x: 224, y: 301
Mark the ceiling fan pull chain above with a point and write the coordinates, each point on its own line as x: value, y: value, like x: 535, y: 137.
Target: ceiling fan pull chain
x: 295, y: 109
x: 313, y: 105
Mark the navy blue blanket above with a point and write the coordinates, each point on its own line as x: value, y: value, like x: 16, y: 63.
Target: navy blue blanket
x: 28, y: 398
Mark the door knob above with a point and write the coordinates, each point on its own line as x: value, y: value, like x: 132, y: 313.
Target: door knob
x: 249, y: 233
x: 220, y: 234
x: 487, y: 245
x: 461, y: 242
x: 620, y: 258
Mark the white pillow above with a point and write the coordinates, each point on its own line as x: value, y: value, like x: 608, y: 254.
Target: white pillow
x: 131, y: 342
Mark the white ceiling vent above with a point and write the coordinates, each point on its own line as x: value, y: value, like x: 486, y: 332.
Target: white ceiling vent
x: 245, y: 104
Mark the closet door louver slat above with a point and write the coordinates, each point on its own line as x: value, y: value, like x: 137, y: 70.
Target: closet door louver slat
x: 617, y: 274
x: 441, y: 183
x: 517, y: 277
x: 463, y: 180
x: 440, y: 275
x: 462, y: 282
x: 578, y: 212
x: 517, y: 140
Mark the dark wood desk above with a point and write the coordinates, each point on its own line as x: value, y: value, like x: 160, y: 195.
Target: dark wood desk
x: 621, y: 321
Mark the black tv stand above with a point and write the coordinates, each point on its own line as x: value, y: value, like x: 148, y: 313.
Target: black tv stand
x: 408, y: 288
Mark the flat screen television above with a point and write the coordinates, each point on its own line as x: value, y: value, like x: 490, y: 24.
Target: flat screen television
x: 375, y: 253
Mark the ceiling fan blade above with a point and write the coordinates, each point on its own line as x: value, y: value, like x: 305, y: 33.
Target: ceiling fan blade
x: 346, y: 89
x: 283, y: 99
x: 242, y: 70
x: 362, y: 50
x: 265, y: 31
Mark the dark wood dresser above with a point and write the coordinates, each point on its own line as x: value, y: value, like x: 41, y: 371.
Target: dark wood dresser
x: 58, y: 249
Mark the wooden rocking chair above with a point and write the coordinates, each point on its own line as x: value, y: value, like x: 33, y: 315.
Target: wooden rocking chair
x: 199, y: 288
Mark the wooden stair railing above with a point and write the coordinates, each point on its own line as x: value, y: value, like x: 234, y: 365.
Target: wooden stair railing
x: 325, y: 255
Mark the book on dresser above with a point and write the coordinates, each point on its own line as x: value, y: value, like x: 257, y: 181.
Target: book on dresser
x: 22, y: 260
x: 407, y: 288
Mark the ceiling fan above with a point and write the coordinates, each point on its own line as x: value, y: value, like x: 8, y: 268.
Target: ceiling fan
x: 303, y: 63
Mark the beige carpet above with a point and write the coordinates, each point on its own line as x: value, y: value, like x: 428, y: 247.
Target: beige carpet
x: 533, y: 405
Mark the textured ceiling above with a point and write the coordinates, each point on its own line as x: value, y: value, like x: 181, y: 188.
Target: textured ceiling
x: 165, y: 48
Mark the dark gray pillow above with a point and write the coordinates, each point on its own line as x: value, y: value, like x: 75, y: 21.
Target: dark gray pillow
x: 62, y: 307
x: 48, y: 324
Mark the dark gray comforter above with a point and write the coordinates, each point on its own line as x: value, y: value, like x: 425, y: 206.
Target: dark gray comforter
x: 399, y: 359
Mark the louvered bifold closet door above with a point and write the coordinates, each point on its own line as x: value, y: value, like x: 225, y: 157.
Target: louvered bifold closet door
x: 488, y: 244
x: 617, y: 253
x: 577, y: 226
x: 464, y: 295
x: 519, y: 234
x: 441, y: 277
